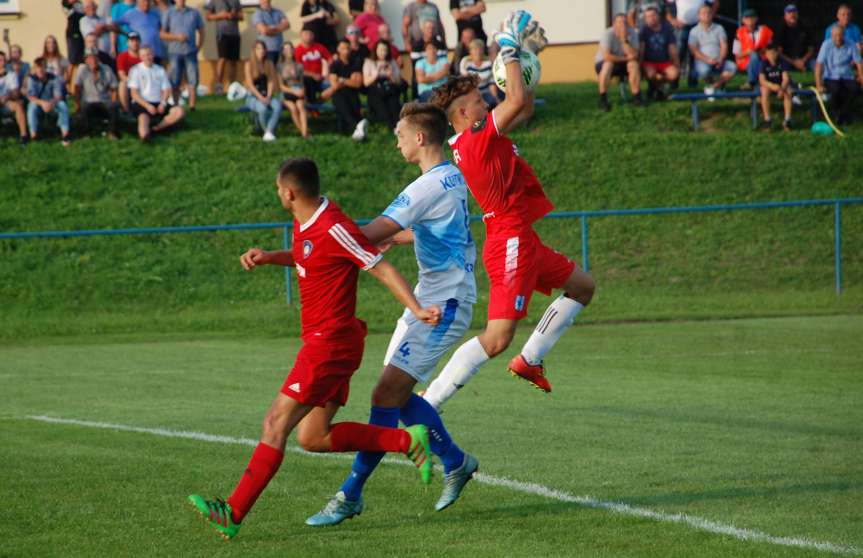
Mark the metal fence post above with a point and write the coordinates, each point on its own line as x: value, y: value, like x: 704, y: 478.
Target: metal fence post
x: 837, y: 245
x: 585, y: 251
x: 286, y: 244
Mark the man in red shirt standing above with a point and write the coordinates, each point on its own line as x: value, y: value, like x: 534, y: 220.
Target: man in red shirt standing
x: 507, y: 190
x: 315, y: 59
x: 125, y: 61
x: 328, y: 251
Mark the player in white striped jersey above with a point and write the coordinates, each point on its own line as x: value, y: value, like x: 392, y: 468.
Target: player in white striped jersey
x: 432, y: 213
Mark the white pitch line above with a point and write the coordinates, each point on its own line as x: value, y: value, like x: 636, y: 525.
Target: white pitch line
x: 695, y: 522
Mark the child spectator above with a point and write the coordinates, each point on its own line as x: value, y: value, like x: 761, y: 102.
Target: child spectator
x: 477, y: 64
x: 10, y: 102
x: 660, y: 60
x: 183, y: 30
x: 315, y: 59
x: 370, y: 21
x: 227, y: 14
x: 291, y: 84
x: 125, y: 61
x: 346, y: 80
x: 774, y: 80
x: 431, y: 72
x: 382, y: 78
x: 794, y: 41
x: 320, y: 16
x: 96, y: 93
x: 270, y: 23
x: 262, y: 83
x: 55, y: 63
x: 45, y: 95
x: 749, y: 46
x: 150, y: 88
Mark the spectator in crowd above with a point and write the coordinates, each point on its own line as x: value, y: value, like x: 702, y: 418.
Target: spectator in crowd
x: 660, y: 60
x: 461, y: 50
x: 150, y: 88
x: 428, y: 35
x: 708, y: 46
x: 320, y: 16
x: 852, y: 32
x: 370, y: 21
x: 749, y: 45
x: 476, y: 63
x: 688, y: 16
x: 794, y: 42
x: 162, y: 6
x: 147, y: 23
x: 270, y: 23
x: 636, y: 10
x: 359, y: 51
x: 432, y: 71
x: 227, y: 14
x: 19, y: 66
x: 10, y: 101
x: 355, y: 7
x: 92, y: 23
x: 119, y: 42
x: 262, y: 84
x: 126, y: 60
x: 386, y: 34
x: 774, y: 81
x: 55, y: 63
x: 293, y: 92
x: 382, y: 78
x: 468, y: 15
x: 834, y: 73
x: 74, y: 38
x: 346, y: 80
x: 617, y: 56
x: 183, y: 30
x: 46, y: 96
x: 413, y: 17
x: 315, y: 59
x: 96, y: 93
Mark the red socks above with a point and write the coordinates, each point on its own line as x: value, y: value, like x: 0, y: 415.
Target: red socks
x: 262, y: 467
x: 353, y: 436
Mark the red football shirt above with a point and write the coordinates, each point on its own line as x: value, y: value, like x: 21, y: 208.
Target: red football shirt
x: 125, y: 61
x: 329, y: 250
x: 502, y: 182
x: 311, y: 57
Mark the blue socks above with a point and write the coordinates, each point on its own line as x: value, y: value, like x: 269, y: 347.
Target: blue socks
x: 419, y: 411
x: 366, y: 461
x: 416, y: 411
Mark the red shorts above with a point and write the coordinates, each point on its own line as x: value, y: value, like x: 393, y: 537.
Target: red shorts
x: 323, y: 370
x: 658, y: 66
x: 516, y: 267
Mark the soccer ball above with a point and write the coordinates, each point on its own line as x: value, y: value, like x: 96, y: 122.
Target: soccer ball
x: 530, y: 70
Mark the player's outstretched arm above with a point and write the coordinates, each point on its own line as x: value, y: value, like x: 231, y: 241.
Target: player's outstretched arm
x: 254, y: 257
x: 381, y: 229
x: 384, y: 272
x: 507, y: 115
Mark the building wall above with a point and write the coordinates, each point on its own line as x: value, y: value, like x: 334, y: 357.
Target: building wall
x: 560, y: 62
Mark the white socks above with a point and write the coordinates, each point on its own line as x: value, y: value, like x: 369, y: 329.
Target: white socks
x: 463, y: 364
x: 556, y: 320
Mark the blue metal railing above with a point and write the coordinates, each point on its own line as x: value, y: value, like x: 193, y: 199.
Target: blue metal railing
x: 584, y: 216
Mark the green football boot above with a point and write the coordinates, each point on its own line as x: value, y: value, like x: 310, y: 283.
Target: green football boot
x: 217, y: 513
x: 454, y: 482
x: 419, y: 451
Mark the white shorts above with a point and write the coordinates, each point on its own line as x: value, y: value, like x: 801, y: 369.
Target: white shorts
x: 416, y: 347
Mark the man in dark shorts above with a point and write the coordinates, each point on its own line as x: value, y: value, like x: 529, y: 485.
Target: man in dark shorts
x: 618, y: 57
x: 226, y: 14
x: 774, y: 80
x: 150, y: 88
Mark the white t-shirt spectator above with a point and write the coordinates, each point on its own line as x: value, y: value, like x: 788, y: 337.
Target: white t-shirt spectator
x: 687, y: 11
x: 150, y: 82
x: 708, y: 41
x: 88, y: 24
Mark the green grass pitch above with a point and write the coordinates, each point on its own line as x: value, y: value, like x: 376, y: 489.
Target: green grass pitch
x: 752, y: 423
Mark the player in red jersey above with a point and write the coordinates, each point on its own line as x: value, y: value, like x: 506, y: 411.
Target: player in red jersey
x: 507, y: 190
x: 328, y: 251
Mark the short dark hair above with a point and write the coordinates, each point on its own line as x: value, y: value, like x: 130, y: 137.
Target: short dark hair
x: 39, y: 62
x: 302, y: 173
x: 428, y: 119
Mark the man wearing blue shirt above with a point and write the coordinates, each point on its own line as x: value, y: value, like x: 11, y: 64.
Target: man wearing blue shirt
x: 183, y: 30
x: 834, y: 75
x: 852, y: 33
x: 270, y: 23
x: 45, y: 94
x: 147, y: 23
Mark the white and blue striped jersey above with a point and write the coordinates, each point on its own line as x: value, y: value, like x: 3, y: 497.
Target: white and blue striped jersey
x: 435, y: 206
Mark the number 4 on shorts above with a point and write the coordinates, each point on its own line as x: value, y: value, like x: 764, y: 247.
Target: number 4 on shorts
x: 404, y: 349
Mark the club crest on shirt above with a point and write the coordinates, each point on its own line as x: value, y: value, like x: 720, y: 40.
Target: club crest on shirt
x: 402, y: 201
x: 307, y: 248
